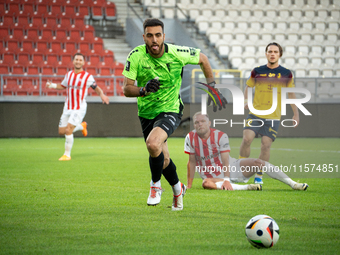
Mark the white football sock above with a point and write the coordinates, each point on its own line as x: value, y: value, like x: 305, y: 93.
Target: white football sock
x: 177, y: 188
x: 155, y: 184
x: 78, y: 128
x: 235, y: 186
x: 275, y: 173
x: 68, y: 144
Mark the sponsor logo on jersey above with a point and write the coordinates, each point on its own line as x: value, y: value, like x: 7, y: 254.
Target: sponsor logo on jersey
x: 192, y: 51
x: 127, y: 67
x: 271, y: 75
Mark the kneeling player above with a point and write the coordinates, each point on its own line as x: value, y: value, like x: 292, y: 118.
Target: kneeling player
x: 208, y: 151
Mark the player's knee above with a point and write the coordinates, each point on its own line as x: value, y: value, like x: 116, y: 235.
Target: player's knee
x: 246, y: 141
x: 265, y: 147
x: 259, y: 162
x: 61, y: 131
x: 206, y: 184
x: 153, y: 147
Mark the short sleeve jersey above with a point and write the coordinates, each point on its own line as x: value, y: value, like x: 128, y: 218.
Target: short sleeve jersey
x: 208, y: 151
x: 142, y: 67
x: 77, y: 85
x: 264, y: 80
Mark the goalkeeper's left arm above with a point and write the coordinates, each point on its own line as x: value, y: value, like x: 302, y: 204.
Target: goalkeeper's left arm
x: 220, y: 100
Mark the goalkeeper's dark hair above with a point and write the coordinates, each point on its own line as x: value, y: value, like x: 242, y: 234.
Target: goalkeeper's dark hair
x: 153, y: 23
x: 78, y: 54
x: 275, y: 44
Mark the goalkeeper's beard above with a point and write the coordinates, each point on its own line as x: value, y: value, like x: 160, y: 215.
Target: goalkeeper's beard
x: 153, y: 52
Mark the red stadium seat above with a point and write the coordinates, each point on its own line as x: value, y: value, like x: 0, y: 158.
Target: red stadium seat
x: 105, y: 71
x: 46, y: 34
x: 8, y: 58
x: 65, y: 22
x: 93, y: 59
x: 41, y: 45
x: 26, y: 45
x: 60, y: 34
x: 110, y: 11
x: 50, y: 21
x: 37, y: 21
x: 83, y: 11
x: 88, y: 34
x: 69, y: 9
x: 119, y: 90
x: 11, y: 44
x: 18, y: 69
x: 33, y: 69
x: 11, y: 86
x: 37, y: 58
x: 16, y: 32
x: 56, y: 46
x: 70, y: 46
x: 108, y: 57
x: 47, y: 69
x: 62, y: 70
x: 52, y: 58
x: 119, y: 67
x: 29, y: 86
x: 31, y: 33
x: 22, y: 20
x: 4, y: 68
x: 4, y: 32
x: 7, y: 20
x: 78, y: 22
x: 28, y: 8
x: 97, y: 12
x: 66, y: 59
x: 55, y: 9
x: 74, y: 34
x: 92, y: 70
x: 85, y: 47
x: 23, y: 58
x: 42, y: 8
x: 13, y: 8
x: 98, y: 45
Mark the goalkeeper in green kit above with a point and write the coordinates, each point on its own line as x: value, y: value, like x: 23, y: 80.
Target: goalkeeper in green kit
x: 157, y: 67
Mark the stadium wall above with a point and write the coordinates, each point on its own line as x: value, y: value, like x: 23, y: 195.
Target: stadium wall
x: 20, y: 119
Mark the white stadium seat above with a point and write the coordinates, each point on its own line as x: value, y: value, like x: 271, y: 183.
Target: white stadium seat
x: 300, y: 71
x: 327, y: 70
x: 213, y: 34
x: 216, y: 22
x: 314, y: 70
x: 223, y: 47
x: 202, y: 23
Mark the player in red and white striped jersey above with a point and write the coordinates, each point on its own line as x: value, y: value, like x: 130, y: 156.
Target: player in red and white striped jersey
x: 76, y: 82
x: 208, y: 151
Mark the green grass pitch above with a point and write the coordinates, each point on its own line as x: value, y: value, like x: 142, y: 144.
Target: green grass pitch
x: 96, y: 203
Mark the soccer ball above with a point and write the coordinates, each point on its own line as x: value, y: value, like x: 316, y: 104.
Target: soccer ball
x: 262, y: 231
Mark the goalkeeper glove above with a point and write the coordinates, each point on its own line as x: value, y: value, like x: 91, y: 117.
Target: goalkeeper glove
x: 150, y: 87
x: 219, y: 98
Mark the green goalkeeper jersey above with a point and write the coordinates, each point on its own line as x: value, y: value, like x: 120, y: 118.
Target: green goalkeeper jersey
x: 142, y: 67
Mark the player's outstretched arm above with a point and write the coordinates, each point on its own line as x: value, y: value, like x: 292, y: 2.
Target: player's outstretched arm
x: 100, y: 93
x: 225, y: 161
x: 191, y: 170
x: 52, y: 85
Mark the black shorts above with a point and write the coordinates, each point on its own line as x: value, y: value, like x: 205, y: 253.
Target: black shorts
x: 262, y: 126
x: 168, y: 121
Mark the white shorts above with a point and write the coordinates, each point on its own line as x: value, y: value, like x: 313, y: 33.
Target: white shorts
x: 236, y: 174
x: 74, y: 117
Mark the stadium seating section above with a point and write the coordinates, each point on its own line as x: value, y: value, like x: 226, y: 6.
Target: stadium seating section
x: 241, y: 29
x: 39, y: 38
